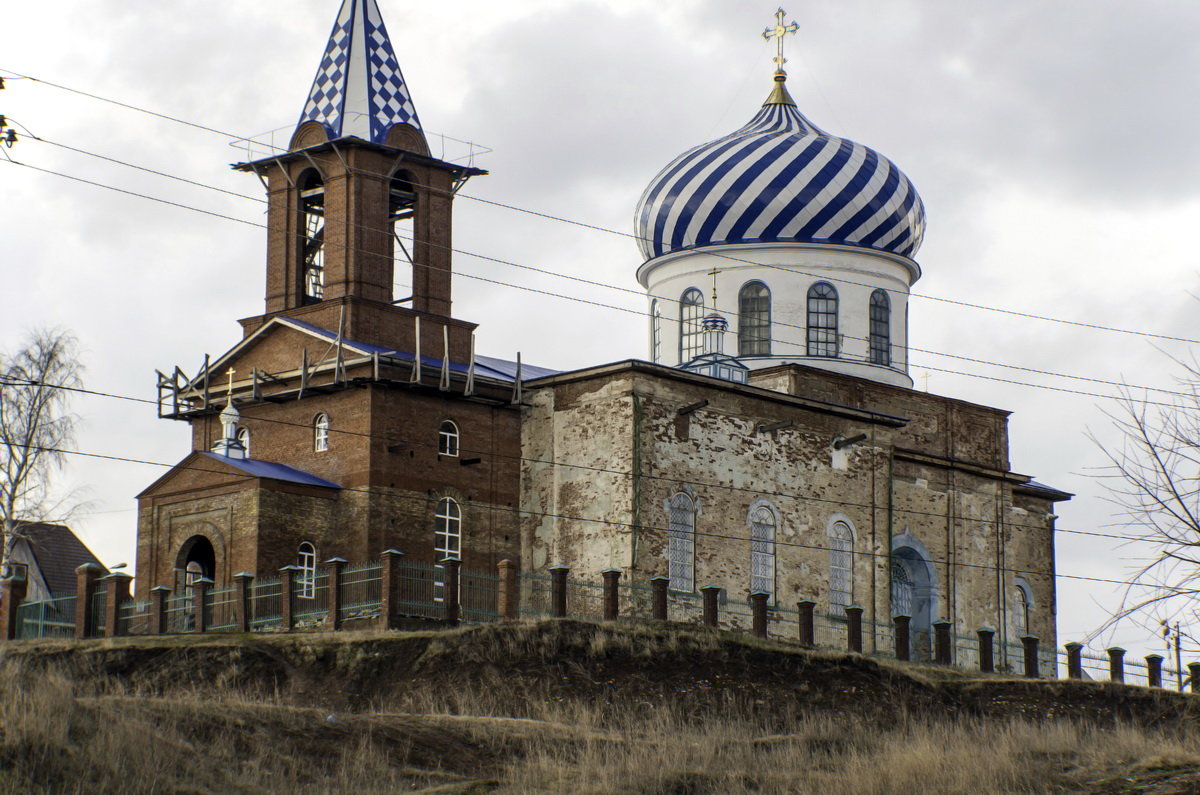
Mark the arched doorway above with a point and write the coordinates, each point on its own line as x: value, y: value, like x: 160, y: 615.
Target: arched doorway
x: 196, y: 559
x: 914, y: 593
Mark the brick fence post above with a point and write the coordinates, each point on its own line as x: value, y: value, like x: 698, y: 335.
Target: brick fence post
x: 453, y: 590
x: 758, y: 604
x: 808, y: 635
x: 243, y: 609
x: 1074, y: 660
x: 854, y: 628
x: 390, y: 594
x: 333, y: 593
x: 508, y: 599
x: 12, y: 591
x: 987, y: 650
x: 1030, y: 644
x: 287, y: 598
x: 712, y: 609
x: 159, y: 595
x: 659, y: 585
x: 1116, y: 664
x: 903, y: 650
x: 1154, y: 670
x: 1194, y: 676
x: 85, y: 588
x: 558, y: 591
x: 612, y: 598
x: 200, y: 590
x: 943, y: 653
x: 116, y: 593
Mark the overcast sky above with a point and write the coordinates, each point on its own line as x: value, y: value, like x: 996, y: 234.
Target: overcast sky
x: 1054, y: 145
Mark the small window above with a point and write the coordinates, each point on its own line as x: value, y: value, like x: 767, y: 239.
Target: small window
x: 762, y: 551
x: 655, y: 332
x: 243, y: 437
x: 193, y: 573
x: 1022, y: 607
x: 841, y: 568
x: 881, y: 328
x: 822, y: 320
x: 681, y: 543
x: 691, y: 328
x: 754, y: 320
x: 20, y: 571
x: 448, y: 439
x: 447, y: 541
x: 321, y: 432
x: 306, y: 576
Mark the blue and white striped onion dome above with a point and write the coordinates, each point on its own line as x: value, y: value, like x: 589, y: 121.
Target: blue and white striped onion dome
x: 780, y: 179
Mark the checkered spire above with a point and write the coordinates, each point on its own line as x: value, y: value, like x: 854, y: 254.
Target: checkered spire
x: 359, y: 89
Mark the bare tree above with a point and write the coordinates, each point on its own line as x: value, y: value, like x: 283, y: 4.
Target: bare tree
x: 36, y: 426
x: 1153, y: 476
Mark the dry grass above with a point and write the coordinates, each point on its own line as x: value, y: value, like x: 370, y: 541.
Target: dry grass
x: 468, y: 726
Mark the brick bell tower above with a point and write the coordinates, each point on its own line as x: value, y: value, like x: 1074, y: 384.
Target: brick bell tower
x: 356, y: 193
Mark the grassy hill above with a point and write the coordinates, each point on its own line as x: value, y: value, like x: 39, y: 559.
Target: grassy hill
x: 563, y: 705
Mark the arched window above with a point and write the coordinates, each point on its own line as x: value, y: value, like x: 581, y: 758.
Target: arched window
x: 655, y: 332
x: 448, y: 438
x: 754, y: 320
x: 321, y: 432
x: 903, y: 590
x: 881, y: 328
x: 192, y: 574
x: 447, y: 541
x: 762, y: 550
x: 691, y: 331
x: 822, y: 320
x: 681, y: 543
x: 841, y: 568
x: 243, y: 438
x: 312, y: 209
x: 1022, y: 607
x: 306, y: 574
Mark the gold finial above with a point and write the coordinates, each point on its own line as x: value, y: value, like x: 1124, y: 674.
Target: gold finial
x: 713, y: 273
x: 229, y: 391
x: 778, y: 32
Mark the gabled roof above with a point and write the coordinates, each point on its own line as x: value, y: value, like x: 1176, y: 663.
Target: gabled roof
x: 57, y: 551
x: 273, y: 471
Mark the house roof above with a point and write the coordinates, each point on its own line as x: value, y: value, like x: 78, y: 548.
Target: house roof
x: 58, y: 552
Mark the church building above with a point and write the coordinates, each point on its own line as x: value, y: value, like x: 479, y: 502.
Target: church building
x: 771, y: 441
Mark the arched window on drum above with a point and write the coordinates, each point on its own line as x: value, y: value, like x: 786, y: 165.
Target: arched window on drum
x: 881, y: 328
x: 754, y: 320
x: 691, y: 330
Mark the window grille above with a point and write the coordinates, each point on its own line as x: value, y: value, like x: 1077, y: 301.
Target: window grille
x: 321, y: 432
x: 762, y: 552
x: 841, y: 568
x: 754, y: 320
x: 681, y: 543
x: 881, y: 331
x: 448, y: 438
x: 447, y: 541
x: 822, y: 320
x: 691, y: 330
x: 306, y: 576
x: 903, y: 590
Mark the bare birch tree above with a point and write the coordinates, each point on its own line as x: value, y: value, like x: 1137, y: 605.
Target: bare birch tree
x: 36, y: 425
x: 1153, y: 476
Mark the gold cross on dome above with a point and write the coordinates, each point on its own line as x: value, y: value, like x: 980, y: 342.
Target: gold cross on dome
x: 778, y: 32
x: 230, y: 390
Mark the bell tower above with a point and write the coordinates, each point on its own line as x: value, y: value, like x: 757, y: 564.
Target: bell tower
x: 357, y: 200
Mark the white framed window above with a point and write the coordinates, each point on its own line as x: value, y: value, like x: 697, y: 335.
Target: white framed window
x: 841, y: 567
x: 691, y: 329
x: 321, y: 432
x: 655, y: 332
x: 448, y: 438
x: 306, y: 576
x: 243, y: 437
x: 823, y: 320
x: 681, y: 543
x: 881, y: 328
x: 762, y: 550
x: 754, y: 320
x: 447, y: 541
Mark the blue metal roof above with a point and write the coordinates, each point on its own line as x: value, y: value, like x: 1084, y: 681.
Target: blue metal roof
x: 273, y: 471
x: 780, y: 179
x: 359, y: 89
